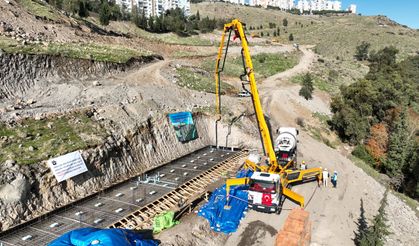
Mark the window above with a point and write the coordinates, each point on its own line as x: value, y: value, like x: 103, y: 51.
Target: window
x: 262, y: 186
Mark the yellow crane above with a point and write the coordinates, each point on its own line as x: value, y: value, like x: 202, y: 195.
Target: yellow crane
x: 269, y: 184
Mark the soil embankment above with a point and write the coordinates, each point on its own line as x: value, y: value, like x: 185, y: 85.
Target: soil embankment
x: 23, y: 71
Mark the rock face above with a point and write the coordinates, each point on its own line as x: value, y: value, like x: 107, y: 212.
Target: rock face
x: 31, y: 190
x: 21, y: 71
x: 15, y: 191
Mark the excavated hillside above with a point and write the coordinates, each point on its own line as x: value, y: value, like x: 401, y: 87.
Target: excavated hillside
x: 29, y: 70
x: 63, y: 88
x: 130, y: 113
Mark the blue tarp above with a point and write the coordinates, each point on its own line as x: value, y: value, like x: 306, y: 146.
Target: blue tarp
x: 223, y: 220
x: 102, y: 237
x: 184, y: 126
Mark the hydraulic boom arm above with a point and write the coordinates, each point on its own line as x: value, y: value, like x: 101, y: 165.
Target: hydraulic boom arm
x: 238, y: 28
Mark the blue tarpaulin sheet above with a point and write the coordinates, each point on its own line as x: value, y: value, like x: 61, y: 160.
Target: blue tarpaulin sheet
x: 221, y: 219
x: 102, y: 237
x: 184, y: 126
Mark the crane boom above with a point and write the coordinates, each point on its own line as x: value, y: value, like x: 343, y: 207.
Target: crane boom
x: 238, y: 28
x: 273, y: 175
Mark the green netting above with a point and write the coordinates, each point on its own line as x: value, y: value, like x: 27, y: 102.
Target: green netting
x: 164, y: 221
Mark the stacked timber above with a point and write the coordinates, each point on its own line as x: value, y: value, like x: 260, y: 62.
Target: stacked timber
x: 296, y: 230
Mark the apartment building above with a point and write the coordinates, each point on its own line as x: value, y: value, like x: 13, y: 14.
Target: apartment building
x: 302, y: 5
x: 318, y: 5
x: 155, y: 7
x: 352, y: 8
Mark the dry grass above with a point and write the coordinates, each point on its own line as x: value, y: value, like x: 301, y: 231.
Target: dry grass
x: 107, y: 53
x: 167, y: 38
x: 39, y: 8
x: 335, y: 37
x: 31, y: 141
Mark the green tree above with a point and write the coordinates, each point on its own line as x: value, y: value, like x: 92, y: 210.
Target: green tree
x: 291, y: 37
x: 82, y: 9
x: 71, y: 6
x: 56, y: 3
x: 307, y: 89
x: 376, y: 233
x: 383, y: 63
x: 399, y: 147
x: 411, y: 170
x: 285, y: 22
x: 352, y: 110
x: 198, y: 17
x: 115, y: 11
x: 362, y: 227
x: 104, y: 13
x: 143, y: 20
x: 362, y: 51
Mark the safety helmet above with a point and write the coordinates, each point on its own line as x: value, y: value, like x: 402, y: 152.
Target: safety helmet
x: 303, y: 162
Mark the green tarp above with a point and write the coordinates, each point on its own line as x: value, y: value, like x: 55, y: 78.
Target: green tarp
x: 164, y: 221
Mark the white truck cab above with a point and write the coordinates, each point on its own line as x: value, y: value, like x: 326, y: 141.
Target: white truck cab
x: 264, y: 192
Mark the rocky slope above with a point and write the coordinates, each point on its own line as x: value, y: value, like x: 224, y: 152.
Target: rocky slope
x: 28, y: 191
x: 23, y: 71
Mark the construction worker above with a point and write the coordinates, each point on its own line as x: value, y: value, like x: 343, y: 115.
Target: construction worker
x: 303, y: 165
x: 334, y: 179
x: 325, y: 177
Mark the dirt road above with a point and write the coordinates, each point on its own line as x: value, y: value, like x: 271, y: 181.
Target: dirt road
x: 333, y: 211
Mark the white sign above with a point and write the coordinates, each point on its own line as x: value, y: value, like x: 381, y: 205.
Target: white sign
x: 67, y: 166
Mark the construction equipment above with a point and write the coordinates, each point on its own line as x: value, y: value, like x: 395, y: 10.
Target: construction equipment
x: 270, y: 184
x: 286, y: 145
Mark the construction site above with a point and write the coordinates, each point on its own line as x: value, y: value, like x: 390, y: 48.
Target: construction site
x: 113, y: 135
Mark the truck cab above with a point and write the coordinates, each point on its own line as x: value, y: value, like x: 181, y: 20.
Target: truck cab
x: 264, y: 192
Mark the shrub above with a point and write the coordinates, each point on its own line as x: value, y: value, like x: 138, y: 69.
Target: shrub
x: 361, y: 152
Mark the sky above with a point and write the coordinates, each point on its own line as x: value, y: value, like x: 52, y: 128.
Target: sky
x: 405, y: 12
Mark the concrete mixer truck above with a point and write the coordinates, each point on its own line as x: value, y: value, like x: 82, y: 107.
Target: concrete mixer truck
x: 285, y: 146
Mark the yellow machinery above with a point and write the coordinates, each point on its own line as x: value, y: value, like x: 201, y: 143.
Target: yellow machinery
x: 265, y: 176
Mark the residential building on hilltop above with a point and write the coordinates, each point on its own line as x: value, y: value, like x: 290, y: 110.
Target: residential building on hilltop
x: 155, y: 7
x: 302, y: 5
x: 318, y: 5
x: 352, y: 8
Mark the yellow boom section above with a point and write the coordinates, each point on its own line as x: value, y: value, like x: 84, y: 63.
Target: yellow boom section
x: 237, y: 27
x: 293, y: 176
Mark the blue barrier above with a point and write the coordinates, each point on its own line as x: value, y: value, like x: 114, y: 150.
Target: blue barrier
x: 223, y: 220
x: 102, y: 237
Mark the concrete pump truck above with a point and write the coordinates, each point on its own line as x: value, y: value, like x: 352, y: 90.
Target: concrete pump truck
x: 270, y: 183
